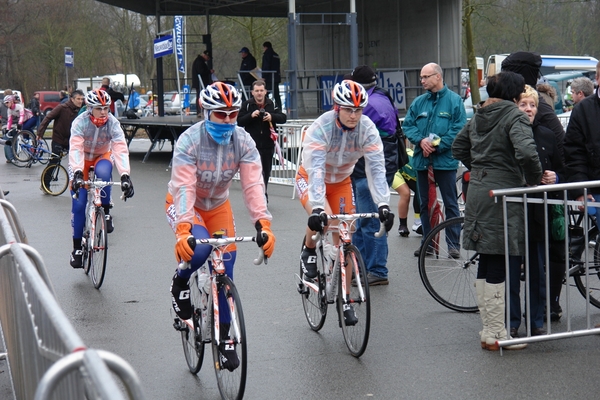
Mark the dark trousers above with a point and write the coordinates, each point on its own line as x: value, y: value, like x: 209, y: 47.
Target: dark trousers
x: 266, y: 158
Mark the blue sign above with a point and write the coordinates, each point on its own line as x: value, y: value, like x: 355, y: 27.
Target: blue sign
x: 392, y: 81
x: 163, y: 46
x: 69, y: 58
x: 327, y: 83
x: 186, y: 96
x: 178, y: 28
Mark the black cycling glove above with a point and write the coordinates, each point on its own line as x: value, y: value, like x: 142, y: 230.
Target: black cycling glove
x: 386, y: 217
x: 317, y: 220
x: 77, y: 181
x: 126, y: 186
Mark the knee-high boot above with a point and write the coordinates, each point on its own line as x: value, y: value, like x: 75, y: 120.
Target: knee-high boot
x: 479, y: 290
x: 494, y: 295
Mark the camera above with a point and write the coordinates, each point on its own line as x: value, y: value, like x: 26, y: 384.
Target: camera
x: 261, y: 114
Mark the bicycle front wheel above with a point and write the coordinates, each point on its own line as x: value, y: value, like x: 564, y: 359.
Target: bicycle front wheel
x: 356, y: 335
x: 98, y: 249
x: 314, y: 301
x: 449, y: 277
x: 592, y: 284
x: 231, y: 379
x: 191, y: 336
x: 55, y: 179
x: 23, y: 144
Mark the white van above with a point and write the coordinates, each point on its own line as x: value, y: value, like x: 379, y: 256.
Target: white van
x: 550, y: 64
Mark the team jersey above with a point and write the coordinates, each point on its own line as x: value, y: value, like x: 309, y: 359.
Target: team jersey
x: 88, y: 142
x: 18, y: 111
x: 203, y: 170
x: 329, y: 155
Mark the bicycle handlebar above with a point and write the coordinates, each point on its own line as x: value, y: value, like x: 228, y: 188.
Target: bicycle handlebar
x: 352, y: 217
x: 218, y: 242
x: 100, y: 184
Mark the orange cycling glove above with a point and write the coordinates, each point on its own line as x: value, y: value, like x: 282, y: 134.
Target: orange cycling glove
x: 268, y: 245
x: 183, y: 251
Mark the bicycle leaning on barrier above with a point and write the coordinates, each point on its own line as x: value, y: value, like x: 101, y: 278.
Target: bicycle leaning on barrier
x: 341, y: 279
x: 450, y: 281
x: 217, y: 317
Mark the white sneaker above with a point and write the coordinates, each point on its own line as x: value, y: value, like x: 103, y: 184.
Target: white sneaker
x: 417, y: 228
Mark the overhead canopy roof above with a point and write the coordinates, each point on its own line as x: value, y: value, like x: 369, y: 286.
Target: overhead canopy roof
x: 240, y: 8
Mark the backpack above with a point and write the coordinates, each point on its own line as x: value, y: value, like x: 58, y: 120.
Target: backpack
x: 401, y: 138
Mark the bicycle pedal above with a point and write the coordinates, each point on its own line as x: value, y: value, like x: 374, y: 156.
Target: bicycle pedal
x: 302, y: 289
x: 179, y: 325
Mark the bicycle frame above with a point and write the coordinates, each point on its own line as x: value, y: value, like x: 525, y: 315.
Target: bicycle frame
x: 219, y: 245
x: 344, y: 228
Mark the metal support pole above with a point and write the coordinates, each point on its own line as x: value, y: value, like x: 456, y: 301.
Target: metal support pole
x: 353, y: 35
x: 293, y: 64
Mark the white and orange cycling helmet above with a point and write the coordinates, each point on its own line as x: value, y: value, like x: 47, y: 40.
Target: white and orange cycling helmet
x: 348, y: 93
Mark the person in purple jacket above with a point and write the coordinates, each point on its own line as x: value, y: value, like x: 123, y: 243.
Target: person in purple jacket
x: 384, y: 115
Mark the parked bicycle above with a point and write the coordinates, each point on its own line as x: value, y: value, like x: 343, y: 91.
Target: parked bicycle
x: 451, y: 281
x: 206, y: 325
x: 95, y: 238
x: 55, y: 178
x: 347, y: 286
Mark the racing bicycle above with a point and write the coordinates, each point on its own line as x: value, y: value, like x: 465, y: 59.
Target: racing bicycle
x: 95, y: 238
x: 205, y: 327
x: 341, y: 279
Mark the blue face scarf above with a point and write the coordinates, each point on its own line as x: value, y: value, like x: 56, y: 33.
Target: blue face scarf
x: 221, y: 133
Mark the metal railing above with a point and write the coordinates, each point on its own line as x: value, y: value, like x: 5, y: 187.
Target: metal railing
x: 590, y: 277
x: 46, y: 357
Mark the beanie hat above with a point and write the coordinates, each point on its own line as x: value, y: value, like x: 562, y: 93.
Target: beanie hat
x: 364, y: 75
x: 525, y: 63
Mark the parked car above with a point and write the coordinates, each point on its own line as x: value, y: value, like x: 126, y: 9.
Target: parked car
x: 173, y: 103
x: 561, y: 81
x: 48, y: 101
x: 468, y: 102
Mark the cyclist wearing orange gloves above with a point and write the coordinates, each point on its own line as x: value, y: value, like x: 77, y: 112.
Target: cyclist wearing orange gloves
x: 332, y: 146
x: 205, y: 160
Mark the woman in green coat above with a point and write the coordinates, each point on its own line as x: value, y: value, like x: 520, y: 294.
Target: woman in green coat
x: 498, y: 148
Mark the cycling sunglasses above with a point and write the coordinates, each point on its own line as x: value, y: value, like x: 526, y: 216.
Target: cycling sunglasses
x: 222, y: 114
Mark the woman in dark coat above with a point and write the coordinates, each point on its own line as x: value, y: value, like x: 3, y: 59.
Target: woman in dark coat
x: 497, y: 147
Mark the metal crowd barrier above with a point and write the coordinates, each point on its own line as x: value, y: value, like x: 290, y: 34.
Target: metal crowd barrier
x: 46, y: 357
x: 591, y: 277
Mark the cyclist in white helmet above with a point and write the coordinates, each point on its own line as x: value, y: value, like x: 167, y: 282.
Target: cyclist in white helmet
x: 332, y: 146
x: 205, y: 160
x: 97, y: 139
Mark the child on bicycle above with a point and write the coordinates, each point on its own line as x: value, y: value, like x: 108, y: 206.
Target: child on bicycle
x: 333, y: 144
x: 205, y: 160
x: 97, y: 140
x: 26, y: 121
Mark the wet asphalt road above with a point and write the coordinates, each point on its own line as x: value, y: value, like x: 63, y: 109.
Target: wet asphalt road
x: 417, y: 348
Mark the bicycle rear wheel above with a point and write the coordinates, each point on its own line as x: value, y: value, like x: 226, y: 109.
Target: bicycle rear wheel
x: 43, y: 156
x: 450, y: 281
x: 98, y: 249
x: 314, y: 301
x: 23, y: 144
x: 356, y: 336
x: 55, y: 179
x: 232, y: 384
x: 592, y: 284
x: 191, y: 336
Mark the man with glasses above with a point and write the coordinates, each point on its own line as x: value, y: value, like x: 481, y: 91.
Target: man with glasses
x: 432, y: 122
x: 97, y: 139
x: 258, y: 115
x: 332, y: 146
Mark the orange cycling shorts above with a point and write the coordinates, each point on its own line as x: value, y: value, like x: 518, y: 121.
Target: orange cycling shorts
x: 339, y: 196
